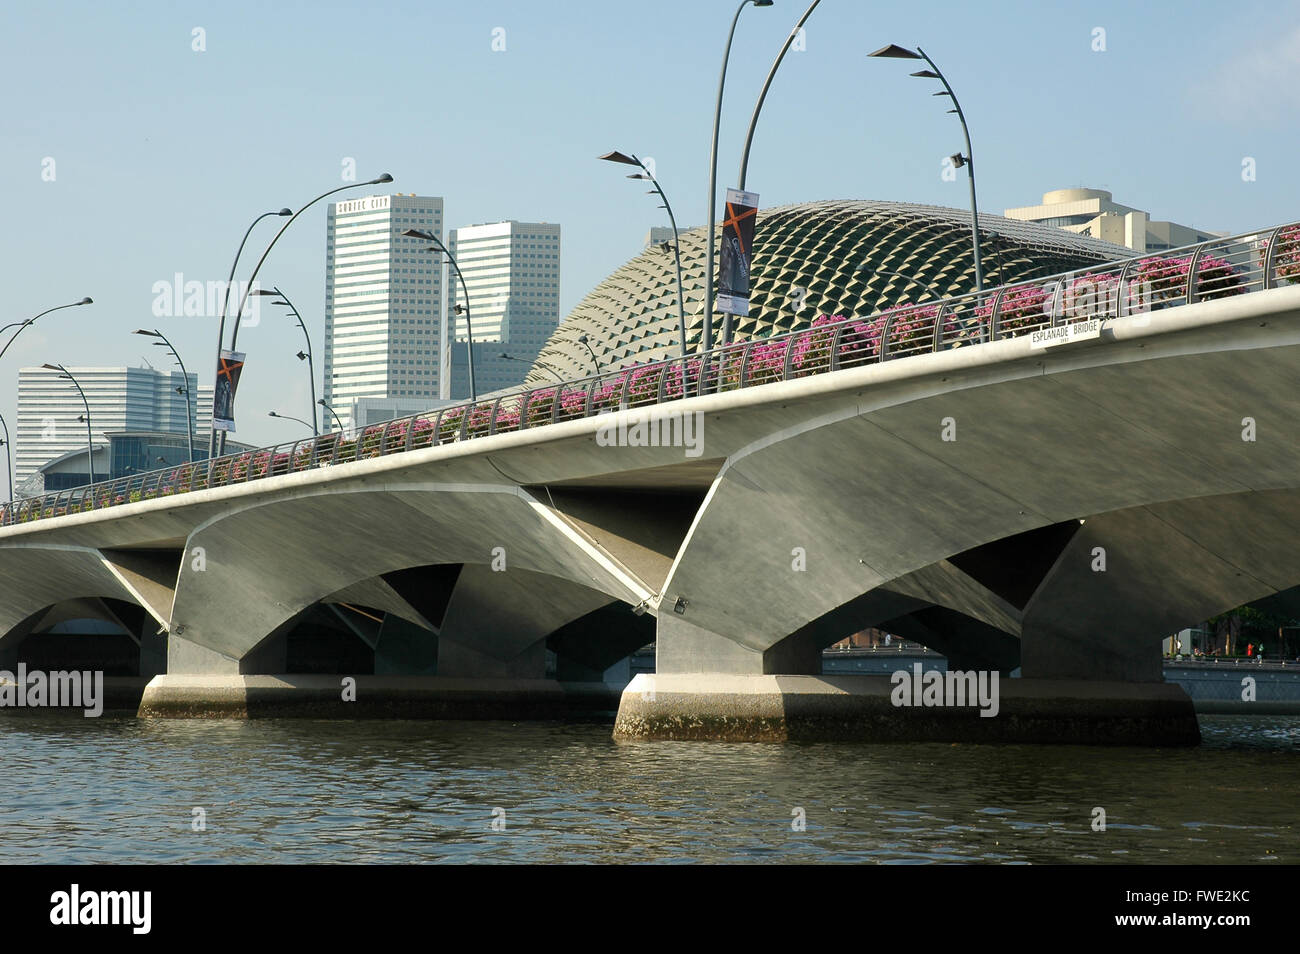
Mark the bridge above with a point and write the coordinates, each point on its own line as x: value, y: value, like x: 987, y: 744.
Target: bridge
x: 1049, y: 477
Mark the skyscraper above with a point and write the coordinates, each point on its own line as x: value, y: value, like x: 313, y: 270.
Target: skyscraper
x: 512, y: 274
x: 51, y: 415
x: 383, y: 300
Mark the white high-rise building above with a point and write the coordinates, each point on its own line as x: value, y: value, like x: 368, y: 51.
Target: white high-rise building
x: 51, y: 413
x: 383, y: 301
x: 512, y: 275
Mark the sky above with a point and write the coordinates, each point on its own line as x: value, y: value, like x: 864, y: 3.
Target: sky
x: 142, y: 138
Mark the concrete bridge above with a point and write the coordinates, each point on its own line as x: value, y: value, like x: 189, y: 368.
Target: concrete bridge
x: 1057, y: 509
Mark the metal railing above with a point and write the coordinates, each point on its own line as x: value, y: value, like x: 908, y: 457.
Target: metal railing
x: 1219, y: 268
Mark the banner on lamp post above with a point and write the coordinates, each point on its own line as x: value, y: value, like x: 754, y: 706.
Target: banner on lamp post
x: 229, y: 367
x: 737, y: 249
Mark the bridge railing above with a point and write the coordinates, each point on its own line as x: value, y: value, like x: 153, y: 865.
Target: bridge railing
x: 1221, y: 267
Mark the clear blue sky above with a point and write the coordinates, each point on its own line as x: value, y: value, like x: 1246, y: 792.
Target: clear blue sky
x: 163, y: 155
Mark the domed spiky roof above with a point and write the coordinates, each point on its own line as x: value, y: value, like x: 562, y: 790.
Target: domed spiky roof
x: 808, y: 260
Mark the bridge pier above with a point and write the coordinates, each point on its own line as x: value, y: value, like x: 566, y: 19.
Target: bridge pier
x: 709, y: 687
x: 772, y: 708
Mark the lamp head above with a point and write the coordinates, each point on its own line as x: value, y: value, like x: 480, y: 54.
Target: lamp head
x: 958, y: 160
x: 896, y: 52
x: 385, y: 177
x: 285, y: 212
x: 302, y: 356
x: 617, y: 156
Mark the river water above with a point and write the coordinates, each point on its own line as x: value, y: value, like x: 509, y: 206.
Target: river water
x: 121, y: 789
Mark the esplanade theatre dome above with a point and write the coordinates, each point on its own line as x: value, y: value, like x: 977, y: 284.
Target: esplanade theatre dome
x: 849, y: 257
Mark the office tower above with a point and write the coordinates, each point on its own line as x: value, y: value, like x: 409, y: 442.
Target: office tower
x: 383, y: 301
x: 512, y: 274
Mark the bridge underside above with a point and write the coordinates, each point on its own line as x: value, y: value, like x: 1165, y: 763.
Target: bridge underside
x: 1057, y: 513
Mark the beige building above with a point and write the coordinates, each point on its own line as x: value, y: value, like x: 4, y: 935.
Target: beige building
x: 1091, y: 212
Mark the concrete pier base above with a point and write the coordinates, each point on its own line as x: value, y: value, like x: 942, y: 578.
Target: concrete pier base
x: 235, y: 696
x: 754, y: 708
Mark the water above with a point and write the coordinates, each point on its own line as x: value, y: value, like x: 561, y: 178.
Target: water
x: 119, y: 789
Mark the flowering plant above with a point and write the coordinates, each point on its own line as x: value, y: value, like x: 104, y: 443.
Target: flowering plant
x: 1021, y: 309
x: 1286, y: 260
x: 1165, y: 279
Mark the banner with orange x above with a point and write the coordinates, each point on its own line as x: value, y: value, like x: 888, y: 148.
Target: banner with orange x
x: 737, y: 248
x: 229, y: 367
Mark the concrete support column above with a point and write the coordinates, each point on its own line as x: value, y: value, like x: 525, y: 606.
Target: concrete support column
x: 682, y: 647
x: 189, y: 658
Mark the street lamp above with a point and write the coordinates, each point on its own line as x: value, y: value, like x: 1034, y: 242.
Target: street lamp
x: 713, y: 178
x: 225, y: 304
x: 582, y: 339
x: 90, y: 447
x: 547, y: 367
x: 185, y: 390
x: 469, y: 328
x: 302, y: 356
x: 902, y: 53
x: 234, y: 334
x: 9, y: 461
x: 23, y: 325
x: 290, y: 417
x: 645, y: 173
x: 337, y: 420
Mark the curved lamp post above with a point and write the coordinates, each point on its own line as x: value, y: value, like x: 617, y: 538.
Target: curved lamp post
x: 645, y: 173
x: 23, y: 325
x: 9, y: 461
x: 225, y: 302
x: 896, y: 52
x: 582, y: 340
x: 234, y: 334
x: 302, y: 356
x: 337, y: 421
x: 189, y: 418
x: 469, y: 327
x: 90, y: 447
x: 758, y: 106
x: 290, y: 417
x: 545, y: 367
x: 713, y: 179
